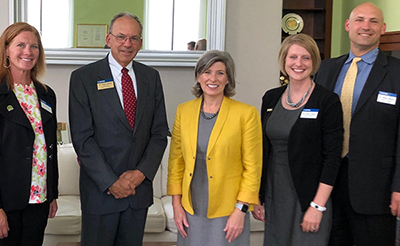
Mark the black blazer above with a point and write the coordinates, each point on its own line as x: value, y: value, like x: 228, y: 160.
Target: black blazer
x: 104, y: 141
x: 314, y: 145
x: 16, y: 148
x: 374, y: 156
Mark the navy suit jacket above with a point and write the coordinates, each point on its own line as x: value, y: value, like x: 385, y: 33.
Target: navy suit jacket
x: 16, y: 148
x: 374, y: 154
x: 104, y: 141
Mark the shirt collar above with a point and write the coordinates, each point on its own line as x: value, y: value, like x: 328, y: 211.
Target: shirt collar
x: 114, y: 64
x: 368, y: 57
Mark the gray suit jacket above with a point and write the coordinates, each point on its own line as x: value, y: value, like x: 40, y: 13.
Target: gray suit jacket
x: 374, y: 154
x: 105, y: 143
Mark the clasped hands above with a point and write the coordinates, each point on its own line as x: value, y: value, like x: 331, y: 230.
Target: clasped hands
x: 126, y: 184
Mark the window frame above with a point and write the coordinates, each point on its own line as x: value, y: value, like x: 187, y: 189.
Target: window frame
x: 216, y: 21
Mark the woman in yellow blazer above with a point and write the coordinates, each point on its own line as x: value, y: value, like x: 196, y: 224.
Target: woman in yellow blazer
x: 215, y: 159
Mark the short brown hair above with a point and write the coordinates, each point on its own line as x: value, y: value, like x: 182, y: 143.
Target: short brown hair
x: 6, y: 38
x: 304, y: 41
x: 206, y: 61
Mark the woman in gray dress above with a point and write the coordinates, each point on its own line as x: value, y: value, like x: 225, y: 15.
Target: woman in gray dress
x: 215, y: 159
x: 302, y: 138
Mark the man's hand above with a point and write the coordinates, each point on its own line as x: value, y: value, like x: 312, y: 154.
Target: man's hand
x: 3, y: 224
x: 121, y: 189
x: 135, y: 177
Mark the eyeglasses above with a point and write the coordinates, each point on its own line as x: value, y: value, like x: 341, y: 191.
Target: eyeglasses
x: 123, y: 38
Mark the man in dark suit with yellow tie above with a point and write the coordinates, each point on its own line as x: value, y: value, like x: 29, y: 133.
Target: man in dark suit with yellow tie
x: 119, y: 128
x: 366, y: 196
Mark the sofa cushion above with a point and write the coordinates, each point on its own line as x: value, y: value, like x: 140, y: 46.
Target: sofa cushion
x: 68, y: 169
x: 169, y: 213
x: 68, y: 217
x: 155, y: 217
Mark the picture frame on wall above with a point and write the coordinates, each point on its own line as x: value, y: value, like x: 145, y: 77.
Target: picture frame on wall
x: 91, y: 35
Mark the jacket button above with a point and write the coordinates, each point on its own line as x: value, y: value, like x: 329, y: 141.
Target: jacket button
x: 190, y: 174
x: 210, y: 177
x: 209, y: 158
x: 51, y: 146
x: 50, y: 157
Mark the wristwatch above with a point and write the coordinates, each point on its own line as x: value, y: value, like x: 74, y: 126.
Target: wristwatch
x: 242, y: 207
x: 317, y: 207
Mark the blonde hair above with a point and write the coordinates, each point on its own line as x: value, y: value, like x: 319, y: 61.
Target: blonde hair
x: 304, y: 41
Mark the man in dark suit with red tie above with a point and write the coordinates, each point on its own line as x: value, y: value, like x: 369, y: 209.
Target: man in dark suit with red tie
x: 366, y: 196
x: 119, y: 128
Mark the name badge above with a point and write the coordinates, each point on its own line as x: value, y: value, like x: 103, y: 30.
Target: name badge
x: 387, y: 98
x: 309, y: 113
x: 46, y: 106
x: 105, y: 84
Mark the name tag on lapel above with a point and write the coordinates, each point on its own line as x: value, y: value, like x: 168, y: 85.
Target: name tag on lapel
x: 105, y: 84
x: 387, y: 98
x: 46, y: 106
x: 309, y: 113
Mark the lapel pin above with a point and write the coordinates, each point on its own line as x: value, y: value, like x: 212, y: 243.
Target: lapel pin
x: 269, y: 109
x: 10, y: 108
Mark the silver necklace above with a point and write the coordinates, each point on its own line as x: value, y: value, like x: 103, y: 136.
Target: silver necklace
x: 296, y: 105
x: 205, y: 116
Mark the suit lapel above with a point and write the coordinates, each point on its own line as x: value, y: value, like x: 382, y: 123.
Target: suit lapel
x: 335, y: 71
x: 374, y: 79
x: 219, y: 123
x: 10, y: 108
x: 111, y: 95
x: 142, y: 87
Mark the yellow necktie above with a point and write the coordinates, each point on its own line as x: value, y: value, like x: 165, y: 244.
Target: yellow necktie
x: 346, y: 97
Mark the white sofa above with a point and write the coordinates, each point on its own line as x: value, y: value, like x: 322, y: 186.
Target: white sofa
x: 160, y: 226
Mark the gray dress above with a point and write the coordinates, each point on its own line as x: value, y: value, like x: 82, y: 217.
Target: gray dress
x: 283, y: 213
x: 202, y: 230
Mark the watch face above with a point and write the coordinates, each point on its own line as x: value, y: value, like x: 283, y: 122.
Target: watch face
x: 245, y: 208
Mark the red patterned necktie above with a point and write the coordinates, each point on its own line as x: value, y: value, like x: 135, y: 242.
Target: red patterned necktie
x: 129, y: 97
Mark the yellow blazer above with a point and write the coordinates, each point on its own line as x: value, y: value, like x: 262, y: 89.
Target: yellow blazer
x: 234, y: 156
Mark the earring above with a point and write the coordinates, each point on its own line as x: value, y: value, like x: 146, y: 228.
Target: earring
x: 9, y: 63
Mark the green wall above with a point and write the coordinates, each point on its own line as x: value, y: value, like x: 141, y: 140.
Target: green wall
x: 102, y: 11
x: 341, y: 11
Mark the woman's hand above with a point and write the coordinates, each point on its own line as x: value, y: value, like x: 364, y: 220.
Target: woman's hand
x: 3, y: 224
x: 179, y: 215
x: 258, y: 212
x: 311, y: 220
x: 53, y: 209
x: 234, y: 225
x: 395, y: 204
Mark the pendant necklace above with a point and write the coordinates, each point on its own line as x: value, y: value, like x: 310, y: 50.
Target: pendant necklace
x: 205, y: 116
x: 296, y: 105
